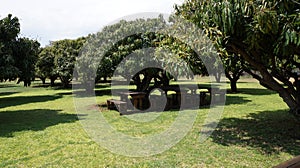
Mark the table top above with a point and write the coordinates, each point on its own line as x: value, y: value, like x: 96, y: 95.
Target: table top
x: 132, y: 93
x: 175, y: 88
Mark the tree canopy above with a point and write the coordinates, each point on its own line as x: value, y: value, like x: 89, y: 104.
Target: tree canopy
x: 265, y: 33
x: 17, y: 55
x: 57, y: 60
x: 115, y: 42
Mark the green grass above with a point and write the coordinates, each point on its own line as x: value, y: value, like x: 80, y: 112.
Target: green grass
x: 39, y: 128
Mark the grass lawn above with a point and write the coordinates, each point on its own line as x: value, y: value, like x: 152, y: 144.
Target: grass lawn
x: 39, y: 128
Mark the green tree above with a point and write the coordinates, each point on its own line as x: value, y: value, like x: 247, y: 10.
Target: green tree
x: 45, y: 66
x: 107, y: 44
x: 26, y: 54
x: 264, y: 33
x: 9, y: 30
x: 66, y: 51
x: 100, y: 44
x: 17, y: 55
x: 234, y: 68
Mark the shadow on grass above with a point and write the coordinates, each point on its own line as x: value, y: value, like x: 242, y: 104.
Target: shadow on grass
x: 8, y: 85
x: 83, y: 93
x: 41, y: 85
x: 48, y: 85
x: 269, y: 131
x: 35, y: 120
x: 64, y: 93
x: 7, y: 93
x: 20, y: 100
x: 102, y: 92
x: 103, y: 85
x: 59, y: 86
x: 256, y: 91
x: 234, y: 99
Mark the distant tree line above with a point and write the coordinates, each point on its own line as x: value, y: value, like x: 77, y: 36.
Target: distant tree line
x: 57, y: 60
x: 23, y: 59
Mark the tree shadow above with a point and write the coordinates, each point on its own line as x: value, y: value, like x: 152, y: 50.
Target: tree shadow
x: 234, y: 99
x: 231, y: 99
x: 256, y: 91
x: 100, y: 86
x: 7, y: 86
x: 83, y: 93
x: 35, y: 120
x: 47, y: 85
x: 103, y: 92
x: 7, y: 93
x: 269, y: 131
x: 64, y: 93
x: 19, y: 100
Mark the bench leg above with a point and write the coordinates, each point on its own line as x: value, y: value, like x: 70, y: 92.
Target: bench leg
x: 122, y: 108
x: 109, y: 105
x: 202, y: 98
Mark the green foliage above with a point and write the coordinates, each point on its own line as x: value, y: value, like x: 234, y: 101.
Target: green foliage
x: 17, y: 55
x: 9, y: 30
x: 26, y: 54
x: 179, y: 58
x: 58, y: 59
x: 115, y: 42
x: 45, y: 66
x: 265, y: 33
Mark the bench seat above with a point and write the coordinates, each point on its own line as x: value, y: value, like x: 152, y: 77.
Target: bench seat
x: 119, y: 105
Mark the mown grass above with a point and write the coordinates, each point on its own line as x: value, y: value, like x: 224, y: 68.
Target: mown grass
x: 39, y: 127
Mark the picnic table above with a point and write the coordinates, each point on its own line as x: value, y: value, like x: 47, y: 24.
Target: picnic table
x: 178, y: 98
x: 186, y: 95
x: 137, y: 97
x: 194, y: 87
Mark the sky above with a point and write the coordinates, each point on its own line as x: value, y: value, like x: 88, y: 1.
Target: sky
x: 46, y: 20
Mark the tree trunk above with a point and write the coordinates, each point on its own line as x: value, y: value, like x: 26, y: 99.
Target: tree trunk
x: 267, y: 80
x: 233, y: 78
x: 296, y: 111
x: 43, y: 80
x: 297, y: 84
x: 128, y: 80
x: 89, y: 87
x: 52, y: 80
x: 65, y: 82
x: 233, y: 86
x: 218, y: 77
x: 27, y: 82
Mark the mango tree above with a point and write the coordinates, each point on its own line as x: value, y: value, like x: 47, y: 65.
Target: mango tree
x: 45, y: 66
x: 172, y: 63
x: 264, y: 33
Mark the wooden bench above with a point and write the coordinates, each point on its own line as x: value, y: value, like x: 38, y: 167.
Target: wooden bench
x: 204, y: 99
x: 190, y: 100
x: 221, y: 95
x: 119, y: 105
